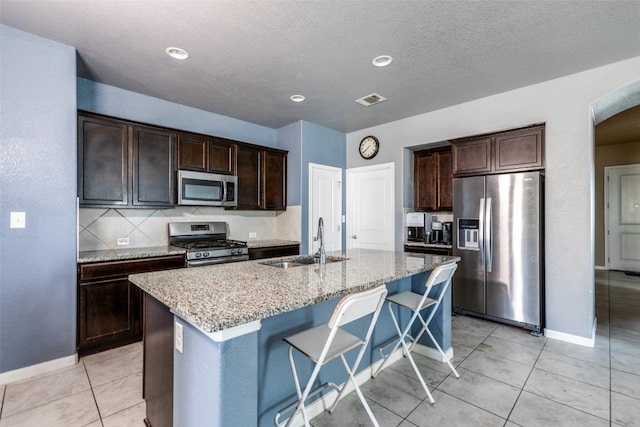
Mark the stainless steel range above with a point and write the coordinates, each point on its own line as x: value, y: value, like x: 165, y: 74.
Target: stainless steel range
x: 206, y: 243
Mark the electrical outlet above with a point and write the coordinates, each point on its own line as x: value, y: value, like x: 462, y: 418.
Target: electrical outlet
x: 252, y: 235
x: 179, y: 337
x: 18, y: 220
x: 122, y: 241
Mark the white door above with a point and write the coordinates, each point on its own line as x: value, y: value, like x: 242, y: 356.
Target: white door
x: 325, y: 200
x: 370, y: 207
x: 623, y: 217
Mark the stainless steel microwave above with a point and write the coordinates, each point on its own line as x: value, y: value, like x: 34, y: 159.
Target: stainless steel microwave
x: 207, y: 189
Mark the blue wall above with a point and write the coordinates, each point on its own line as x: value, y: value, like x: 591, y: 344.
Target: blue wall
x: 37, y: 176
x: 113, y: 101
x: 290, y: 139
x: 323, y: 146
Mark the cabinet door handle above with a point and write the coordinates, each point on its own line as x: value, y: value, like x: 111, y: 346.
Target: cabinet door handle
x: 354, y: 237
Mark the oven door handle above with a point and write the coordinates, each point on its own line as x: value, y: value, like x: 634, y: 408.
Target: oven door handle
x: 213, y: 261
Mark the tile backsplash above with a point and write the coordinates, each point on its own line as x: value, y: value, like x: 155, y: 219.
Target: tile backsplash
x: 100, y: 229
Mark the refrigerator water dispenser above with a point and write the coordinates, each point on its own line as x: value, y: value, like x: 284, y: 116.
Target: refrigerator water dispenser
x: 468, y: 234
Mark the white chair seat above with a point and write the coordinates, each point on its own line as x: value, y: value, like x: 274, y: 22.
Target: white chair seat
x: 410, y: 300
x: 312, y: 341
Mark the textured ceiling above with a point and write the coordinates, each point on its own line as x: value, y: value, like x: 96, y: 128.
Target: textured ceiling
x: 248, y: 57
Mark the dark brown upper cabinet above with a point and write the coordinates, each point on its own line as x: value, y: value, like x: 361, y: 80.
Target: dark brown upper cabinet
x: 128, y: 164
x: 121, y: 164
x: 262, y: 178
x: 103, y: 159
x: 509, y: 151
x: 206, y: 154
x: 433, y: 180
x: 274, y: 166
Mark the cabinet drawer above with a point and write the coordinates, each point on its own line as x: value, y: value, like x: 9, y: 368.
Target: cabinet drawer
x: 106, y: 270
x: 274, y: 251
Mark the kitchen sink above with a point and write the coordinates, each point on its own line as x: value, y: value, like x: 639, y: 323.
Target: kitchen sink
x: 300, y: 261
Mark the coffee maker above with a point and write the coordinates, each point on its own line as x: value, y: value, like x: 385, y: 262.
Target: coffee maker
x: 436, y: 232
x: 418, y: 227
x: 446, y: 232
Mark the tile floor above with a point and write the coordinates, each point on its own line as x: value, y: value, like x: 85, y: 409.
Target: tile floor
x: 508, y: 378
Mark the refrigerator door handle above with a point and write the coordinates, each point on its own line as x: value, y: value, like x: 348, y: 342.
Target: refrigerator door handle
x: 489, y: 237
x: 481, y: 234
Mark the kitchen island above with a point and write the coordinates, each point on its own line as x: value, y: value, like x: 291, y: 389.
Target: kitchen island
x: 233, y: 367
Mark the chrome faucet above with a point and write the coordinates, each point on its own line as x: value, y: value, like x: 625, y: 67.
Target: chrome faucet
x: 320, y: 255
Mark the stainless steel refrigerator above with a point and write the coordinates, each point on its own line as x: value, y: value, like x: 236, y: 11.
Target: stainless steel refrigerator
x: 498, y: 229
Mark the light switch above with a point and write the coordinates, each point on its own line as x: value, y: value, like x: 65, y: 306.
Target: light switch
x: 18, y: 220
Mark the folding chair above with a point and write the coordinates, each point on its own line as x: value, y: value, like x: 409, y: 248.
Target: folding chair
x: 326, y: 342
x: 416, y: 303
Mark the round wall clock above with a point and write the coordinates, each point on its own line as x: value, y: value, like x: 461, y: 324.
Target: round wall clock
x: 369, y: 147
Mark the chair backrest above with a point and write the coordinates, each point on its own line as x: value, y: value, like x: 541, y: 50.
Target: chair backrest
x: 441, y: 274
x: 357, y: 305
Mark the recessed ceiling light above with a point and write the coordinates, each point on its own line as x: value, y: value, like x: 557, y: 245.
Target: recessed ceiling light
x: 297, y: 98
x: 177, y: 53
x: 382, y: 60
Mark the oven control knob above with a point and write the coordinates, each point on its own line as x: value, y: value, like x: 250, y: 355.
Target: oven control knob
x: 198, y: 254
x: 234, y: 251
x: 206, y: 254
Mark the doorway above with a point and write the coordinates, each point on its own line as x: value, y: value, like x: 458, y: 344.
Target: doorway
x: 325, y: 201
x: 622, y: 217
x: 370, y: 207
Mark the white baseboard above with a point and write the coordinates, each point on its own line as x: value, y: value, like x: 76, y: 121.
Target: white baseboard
x: 38, y: 369
x: 573, y: 339
x: 433, y: 353
x: 600, y: 267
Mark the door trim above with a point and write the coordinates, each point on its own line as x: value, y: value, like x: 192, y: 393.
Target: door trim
x: 311, y: 227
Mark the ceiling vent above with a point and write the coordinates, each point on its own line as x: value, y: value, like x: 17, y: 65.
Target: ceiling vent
x: 368, y: 100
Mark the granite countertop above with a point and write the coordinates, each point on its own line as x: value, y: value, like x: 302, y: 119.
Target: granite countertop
x: 85, y: 257
x: 222, y: 296
x: 129, y: 253
x: 428, y: 245
x: 252, y: 244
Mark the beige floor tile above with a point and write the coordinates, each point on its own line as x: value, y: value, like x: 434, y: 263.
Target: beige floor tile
x: 396, y: 392
x: 102, y: 370
x: 118, y: 351
x: 451, y: 411
x: 510, y: 350
x: 519, y: 335
x: 350, y: 412
x: 535, y: 411
x: 625, y: 383
x: 498, y: 368
x: 576, y: 394
x: 76, y: 410
x: 41, y: 390
x: 432, y: 371
x: 130, y: 417
x: 598, y: 354
x: 467, y: 338
x: 460, y: 352
x: 484, y: 392
x: 577, y: 369
x: 119, y: 395
x: 625, y: 362
x: 625, y: 410
x: 473, y: 324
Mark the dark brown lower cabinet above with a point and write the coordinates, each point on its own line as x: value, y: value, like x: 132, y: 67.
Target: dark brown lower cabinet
x: 158, y: 363
x: 109, y: 307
